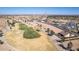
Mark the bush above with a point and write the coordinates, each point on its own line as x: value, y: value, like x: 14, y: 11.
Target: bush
x: 29, y: 32
x: 37, y: 30
x: 22, y: 26
x: 1, y: 42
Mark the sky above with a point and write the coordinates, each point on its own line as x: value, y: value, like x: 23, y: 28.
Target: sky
x: 39, y: 10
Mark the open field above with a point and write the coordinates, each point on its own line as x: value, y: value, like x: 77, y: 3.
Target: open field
x: 15, y: 39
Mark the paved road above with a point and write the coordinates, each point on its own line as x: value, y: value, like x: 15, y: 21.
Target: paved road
x: 53, y: 39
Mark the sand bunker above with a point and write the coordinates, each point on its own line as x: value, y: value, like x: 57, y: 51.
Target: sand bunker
x: 15, y: 38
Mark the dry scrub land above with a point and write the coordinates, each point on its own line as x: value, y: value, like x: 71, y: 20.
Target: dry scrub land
x: 16, y: 39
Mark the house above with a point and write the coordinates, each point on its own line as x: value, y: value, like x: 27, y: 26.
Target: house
x: 72, y: 26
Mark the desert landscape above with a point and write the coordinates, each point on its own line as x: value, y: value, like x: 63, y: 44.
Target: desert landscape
x: 38, y: 33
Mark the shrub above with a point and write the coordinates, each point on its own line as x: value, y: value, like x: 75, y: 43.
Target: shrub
x: 29, y: 32
x: 22, y: 26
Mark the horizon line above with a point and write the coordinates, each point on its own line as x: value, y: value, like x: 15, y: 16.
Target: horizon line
x: 39, y: 14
